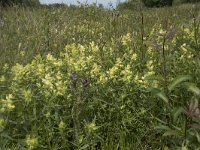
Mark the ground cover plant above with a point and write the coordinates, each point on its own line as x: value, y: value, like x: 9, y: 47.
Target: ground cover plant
x: 89, y: 78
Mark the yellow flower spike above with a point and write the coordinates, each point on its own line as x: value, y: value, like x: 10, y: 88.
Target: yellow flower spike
x: 7, y: 103
x: 91, y: 127
x: 61, y: 125
x: 126, y: 39
x: 127, y: 74
x: 150, y: 65
x: 60, y: 88
x: 134, y: 57
x: 22, y: 53
x: 112, y: 72
x: 102, y: 79
x: 27, y: 95
x: 95, y: 70
x: 2, y: 78
x: 48, y: 81
x: 2, y: 123
x: 31, y: 142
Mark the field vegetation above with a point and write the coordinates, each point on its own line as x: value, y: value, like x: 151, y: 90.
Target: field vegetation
x: 90, y: 78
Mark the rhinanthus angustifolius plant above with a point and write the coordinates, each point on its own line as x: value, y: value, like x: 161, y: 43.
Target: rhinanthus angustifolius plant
x: 104, y: 90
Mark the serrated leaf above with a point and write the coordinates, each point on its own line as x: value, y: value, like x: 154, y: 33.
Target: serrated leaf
x: 159, y: 94
x: 176, y: 112
x: 171, y: 133
x: 179, y: 80
x: 193, y: 88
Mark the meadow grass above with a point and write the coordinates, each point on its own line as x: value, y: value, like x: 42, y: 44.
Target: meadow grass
x: 89, y: 78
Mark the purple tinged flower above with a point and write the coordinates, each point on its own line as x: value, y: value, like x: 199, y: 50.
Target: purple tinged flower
x: 85, y: 82
x: 74, y: 76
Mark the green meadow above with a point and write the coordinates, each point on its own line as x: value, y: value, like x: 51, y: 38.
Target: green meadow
x: 89, y: 78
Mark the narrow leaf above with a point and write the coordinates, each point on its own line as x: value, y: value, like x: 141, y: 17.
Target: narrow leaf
x: 171, y: 133
x: 162, y: 127
x: 84, y: 147
x: 179, y: 80
x: 176, y: 112
x: 193, y: 88
x: 159, y: 94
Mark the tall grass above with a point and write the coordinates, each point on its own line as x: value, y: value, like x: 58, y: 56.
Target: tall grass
x: 89, y: 78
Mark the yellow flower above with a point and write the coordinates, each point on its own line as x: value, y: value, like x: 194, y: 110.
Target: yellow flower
x: 27, y: 95
x: 127, y: 74
x: 22, y: 53
x: 150, y: 65
x: 48, y: 81
x: 31, y: 142
x: 60, y: 88
x: 61, y: 125
x: 2, y: 123
x: 102, y: 79
x: 126, y: 39
x: 134, y: 57
x: 91, y: 127
x: 95, y: 70
x: 2, y: 78
x: 8, y: 103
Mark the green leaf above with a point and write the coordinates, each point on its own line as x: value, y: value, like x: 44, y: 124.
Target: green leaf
x: 193, y: 88
x: 171, y: 133
x: 159, y: 94
x: 179, y: 80
x: 84, y: 147
x: 154, y: 77
x: 176, y: 112
x: 162, y: 127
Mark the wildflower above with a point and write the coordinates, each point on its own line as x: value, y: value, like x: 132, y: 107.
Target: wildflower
x: 74, y: 76
x: 134, y: 57
x: 127, y: 74
x: 102, y: 79
x: 27, y: 95
x: 22, y: 53
x: 95, y: 70
x: 48, y: 114
x: 2, y: 123
x: 8, y: 103
x: 126, y: 39
x: 60, y: 88
x: 91, y: 127
x: 61, y: 125
x: 2, y: 78
x: 85, y: 82
x: 150, y: 65
x: 31, y: 142
x: 5, y: 67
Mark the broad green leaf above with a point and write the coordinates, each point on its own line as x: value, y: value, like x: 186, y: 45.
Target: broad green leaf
x: 171, y: 133
x: 193, y: 88
x: 159, y: 94
x: 179, y: 80
x: 176, y: 112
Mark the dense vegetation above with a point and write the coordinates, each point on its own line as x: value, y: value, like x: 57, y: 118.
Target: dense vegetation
x: 131, y: 4
x: 89, y: 78
x: 6, y: 3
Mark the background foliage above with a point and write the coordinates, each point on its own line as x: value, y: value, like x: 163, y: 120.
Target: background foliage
x: 19, y: 2
x: 132, y: 4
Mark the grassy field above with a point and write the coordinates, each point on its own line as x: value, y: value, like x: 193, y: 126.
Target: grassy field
x: 95, y: 79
